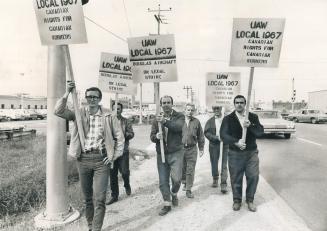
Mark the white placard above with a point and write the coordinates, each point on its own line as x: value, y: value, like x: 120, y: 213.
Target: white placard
x: 115, y: 74
x: 221, y: 88
x: 153, y: 58
x: 60, y: 21
x: 256, y: 42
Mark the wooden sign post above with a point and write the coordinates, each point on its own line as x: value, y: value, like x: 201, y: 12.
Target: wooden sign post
x: 154, y: 60
x: 256, y: 42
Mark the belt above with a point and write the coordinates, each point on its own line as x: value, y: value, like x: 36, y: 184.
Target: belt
x: 93, y: 150
x: 189, y: 146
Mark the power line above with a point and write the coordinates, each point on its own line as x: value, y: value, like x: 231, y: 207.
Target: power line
x: 112, y: 33
x: 126, y: 16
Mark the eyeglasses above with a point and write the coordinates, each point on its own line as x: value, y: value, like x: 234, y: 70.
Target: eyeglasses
x: 92, y: 97
x: 165, y: 102
x: 239, y: 102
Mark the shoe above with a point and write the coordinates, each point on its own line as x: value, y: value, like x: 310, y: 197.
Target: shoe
x: 189, y: 194
x: 184, y: 187
x: 128, y: 190
x: 164, y: 210
x: 215, y: 183
x: 223, y: 188
x: 237, y: 206
x: 112, y: 200
x: 251, y: 207
x: 174, y: 200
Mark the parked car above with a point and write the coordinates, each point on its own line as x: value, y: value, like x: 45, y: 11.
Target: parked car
x: 273, y: 123
x: 308, y: 115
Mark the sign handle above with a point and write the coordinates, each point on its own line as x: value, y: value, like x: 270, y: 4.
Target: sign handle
x: 116, y: 102
x: 221, y: 142
x: 70, y: 77
x: 157, y: 98
x: 248, y: 102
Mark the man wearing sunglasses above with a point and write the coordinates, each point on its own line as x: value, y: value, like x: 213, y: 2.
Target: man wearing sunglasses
x: 242, y: 156
x: 104, y: 142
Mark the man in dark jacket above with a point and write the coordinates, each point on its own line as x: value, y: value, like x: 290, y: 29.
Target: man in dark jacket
x: 243, y: 156
x: 211, y: 132
x: 122, y: 163
x: 172, y: 123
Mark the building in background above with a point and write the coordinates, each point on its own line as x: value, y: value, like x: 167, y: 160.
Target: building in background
x: 286, y: 107
x: 318, y: 100
x: 22, y: 102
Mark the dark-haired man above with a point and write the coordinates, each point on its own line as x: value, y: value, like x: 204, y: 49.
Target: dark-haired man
x: 121, y: 164
x: 172, y: 123
x: 242, y: 156
x: 104, y: 142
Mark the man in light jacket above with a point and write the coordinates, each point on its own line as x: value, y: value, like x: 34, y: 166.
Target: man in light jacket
x: 104, y: 142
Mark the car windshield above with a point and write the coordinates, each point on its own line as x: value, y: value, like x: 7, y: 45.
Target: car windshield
x: 268, y: 114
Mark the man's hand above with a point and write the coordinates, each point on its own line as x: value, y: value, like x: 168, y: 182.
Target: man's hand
x: 106, y: 161
x: 160, y: 118
x: 240, y: 144
x: 201, y: 153
x: 246, y: 123
x: 70, y: 85
x: 159, y: 136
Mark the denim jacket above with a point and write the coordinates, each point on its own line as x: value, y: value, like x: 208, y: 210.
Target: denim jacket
x: 113, y: 134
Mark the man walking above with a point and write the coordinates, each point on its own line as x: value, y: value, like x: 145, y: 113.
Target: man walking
x: 243, y: 156
x: 211, y: 132
x: 192, y: 135
x: 172, y: 123
x: 104, y: 142
x: 121, y: 164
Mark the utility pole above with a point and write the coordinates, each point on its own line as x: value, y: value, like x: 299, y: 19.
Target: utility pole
x: 160, y: 20
x: 192, y: 96
x: 159, y: 17
x: 293, y: 95
x: 187, y: 88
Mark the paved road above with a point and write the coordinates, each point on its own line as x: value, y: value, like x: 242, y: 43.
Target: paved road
x: 297, y: 170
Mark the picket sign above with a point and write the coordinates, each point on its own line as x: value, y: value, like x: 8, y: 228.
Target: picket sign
x: 256, y: 42
x: 70, y: 77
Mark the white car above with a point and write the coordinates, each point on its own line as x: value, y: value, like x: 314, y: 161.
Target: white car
x: 273, y: 123
x: 308, y: 115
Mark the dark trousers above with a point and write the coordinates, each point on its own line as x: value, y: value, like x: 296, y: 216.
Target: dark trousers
x: 214, y: 151
x: 190, y: 157
x: 172, y: 168
x: 94, y: 180
x: 240, y: 163
x: 121, y: 164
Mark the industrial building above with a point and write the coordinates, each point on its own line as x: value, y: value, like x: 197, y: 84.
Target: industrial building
x: 19, y: 102
x: 318, y: 100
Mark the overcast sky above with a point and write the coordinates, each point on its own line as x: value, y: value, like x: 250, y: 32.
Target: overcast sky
x: 202, y: 32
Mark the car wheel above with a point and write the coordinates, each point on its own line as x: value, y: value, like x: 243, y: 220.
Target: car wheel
x: 313, y: 120
x: 287, y: 135
x: 295, y: 119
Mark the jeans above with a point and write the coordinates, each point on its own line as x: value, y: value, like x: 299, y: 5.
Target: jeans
x: 122, y: 165
x: 190, y: 157
x: 172, y: 168
x: 94, y: 180
x: 240, y: 163
x: 214, y: 151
